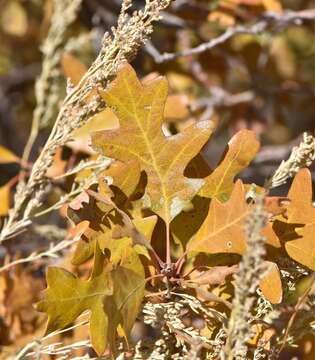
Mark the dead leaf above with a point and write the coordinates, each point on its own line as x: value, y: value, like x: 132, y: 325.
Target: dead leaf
x: 73, y: 68
x: 5, y: 199
x: 223, y: 230
x: 67, y: 297
x: 300, y: 210
x: 125, y: 176
x: 14, y: 19
x: 58, y: 166
x: 271, y: 285
x: 213, y: 276
x: 176, y: 107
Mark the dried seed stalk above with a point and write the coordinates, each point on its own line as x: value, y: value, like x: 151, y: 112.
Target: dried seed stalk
x: 246, y: 283
x: 301, y: 156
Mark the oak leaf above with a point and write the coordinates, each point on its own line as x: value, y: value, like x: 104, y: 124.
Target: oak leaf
x: 223, y: 230
x: 113, y: 296
x: 125, y: 176
x: 301, y: 211
x: 270, y: 284
x: 140, y: 111
x: 68, y: 296
x: 241, y: 150
x: 73, y: 68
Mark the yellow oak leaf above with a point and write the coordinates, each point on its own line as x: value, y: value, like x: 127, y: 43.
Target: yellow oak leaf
x: 68, y: 296
x: 241, y: 150
x: 140, y: 111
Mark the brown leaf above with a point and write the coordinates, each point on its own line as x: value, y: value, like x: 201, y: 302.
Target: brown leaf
x: 176, y: 107
x: 223, y: 230
x: 5, y: 199
x: 271, y: 285
x: 58, y: 166
x: 73, y: 68
x: 214, y: 276
x: 276, y: 205
x: 67, y: 297
x: 125, y: 176
x: 301, y: 211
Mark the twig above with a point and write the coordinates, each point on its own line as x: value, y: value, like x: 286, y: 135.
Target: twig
x: 276, y: 22
x: 50, y: 253
x: 302, y: 300
x: 26, y: 350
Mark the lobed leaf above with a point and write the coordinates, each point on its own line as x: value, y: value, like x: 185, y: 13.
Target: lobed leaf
x: 242, y: 149
x: 140, y: 111
x: 67, y: 297
x: 300, y: 210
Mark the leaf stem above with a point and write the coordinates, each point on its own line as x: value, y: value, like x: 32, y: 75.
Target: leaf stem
x: 180, y: 262
x: 168, y: 244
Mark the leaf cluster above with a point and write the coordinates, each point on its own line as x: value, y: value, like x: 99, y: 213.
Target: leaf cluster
x: 157, y: 228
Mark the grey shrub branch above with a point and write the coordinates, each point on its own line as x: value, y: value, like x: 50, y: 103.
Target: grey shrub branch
x: 251, y: 271
x: 269, y: 21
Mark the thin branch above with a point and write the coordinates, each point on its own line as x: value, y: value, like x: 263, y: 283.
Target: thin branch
x: 52, y: 252
x: 269, y: 21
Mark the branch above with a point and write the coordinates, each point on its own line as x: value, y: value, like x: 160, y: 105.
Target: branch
x: 273, y: 21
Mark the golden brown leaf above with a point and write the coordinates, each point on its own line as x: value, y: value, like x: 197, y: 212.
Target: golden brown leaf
x: 242, y: 148
x: 5, y: 199
x: 301, y: 211
x: 271, y: 285
x: 140, y: 111
x: 73, y: 68
x: 223, y: 230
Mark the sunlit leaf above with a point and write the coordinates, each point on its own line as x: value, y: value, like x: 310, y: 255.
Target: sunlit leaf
x: 140, y: 111
x: 7, y: 156
x: 223, y: 230
x: 73, y: 68
x: 271, y: 285
x: 67, y: 297
x: 125, y: 176
x: 242, y: 148
x: 14, y: 18
x: 301, y: 211
x: 5, y: 199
